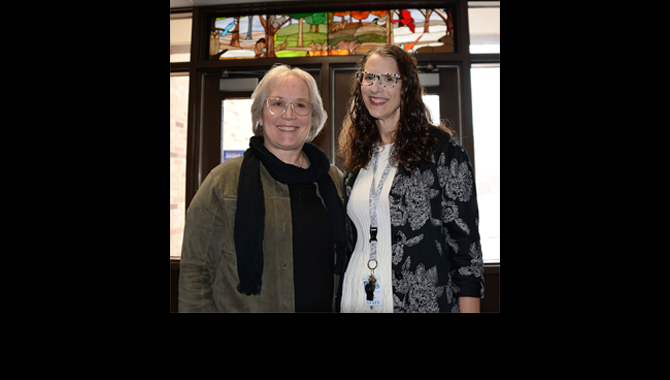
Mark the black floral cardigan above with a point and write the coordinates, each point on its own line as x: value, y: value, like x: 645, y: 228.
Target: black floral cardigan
x: 437, y: 255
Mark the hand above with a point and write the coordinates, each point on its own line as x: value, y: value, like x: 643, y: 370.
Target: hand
x: 469, y: 304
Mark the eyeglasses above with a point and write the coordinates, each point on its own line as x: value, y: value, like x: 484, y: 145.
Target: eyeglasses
x: 277, y: 106
x: 387, y: 80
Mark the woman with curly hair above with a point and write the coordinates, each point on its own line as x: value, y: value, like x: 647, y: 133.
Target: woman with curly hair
x: 410, y: 198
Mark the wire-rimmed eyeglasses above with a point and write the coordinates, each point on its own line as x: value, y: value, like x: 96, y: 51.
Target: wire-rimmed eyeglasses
x: 277, y: 106
x: 387, y: 80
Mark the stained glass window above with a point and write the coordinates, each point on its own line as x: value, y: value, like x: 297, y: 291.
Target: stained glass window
x: 331, y: 33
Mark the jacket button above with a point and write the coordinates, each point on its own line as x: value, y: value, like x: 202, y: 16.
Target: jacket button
x: 398, y: 238
x: 398, y: 275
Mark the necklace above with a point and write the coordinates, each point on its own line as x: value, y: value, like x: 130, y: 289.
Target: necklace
x: 375, y: 192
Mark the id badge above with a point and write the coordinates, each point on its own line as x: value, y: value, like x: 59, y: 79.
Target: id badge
x: 377, y: 301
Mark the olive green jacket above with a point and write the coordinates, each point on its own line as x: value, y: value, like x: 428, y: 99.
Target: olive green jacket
x: 208, y: 273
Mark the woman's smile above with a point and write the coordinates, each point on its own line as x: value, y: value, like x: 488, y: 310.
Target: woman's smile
x: 377, y: 101
x: 287, y: 128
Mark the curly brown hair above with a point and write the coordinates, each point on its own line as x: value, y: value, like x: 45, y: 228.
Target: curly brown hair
x: 415, y: 134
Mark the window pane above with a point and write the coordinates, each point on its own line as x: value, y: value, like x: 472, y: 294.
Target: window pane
x: 180, y: 37
x: 484, y: 23
x: 486, y: 126
x: 178, y: 128
x: 236, y: 128
x: 433, y: 104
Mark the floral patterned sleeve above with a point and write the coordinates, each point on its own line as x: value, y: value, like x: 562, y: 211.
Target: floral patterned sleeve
x: 460, y: 219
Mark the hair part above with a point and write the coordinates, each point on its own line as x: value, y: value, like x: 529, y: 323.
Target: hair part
x: 274, y: 78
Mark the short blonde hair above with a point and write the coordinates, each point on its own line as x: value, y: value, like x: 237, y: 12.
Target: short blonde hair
x: 274, y: 77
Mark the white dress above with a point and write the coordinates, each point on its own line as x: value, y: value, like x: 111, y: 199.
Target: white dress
x: 353, y: 292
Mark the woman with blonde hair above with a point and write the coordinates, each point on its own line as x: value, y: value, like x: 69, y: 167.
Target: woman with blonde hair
x: 264, y: 230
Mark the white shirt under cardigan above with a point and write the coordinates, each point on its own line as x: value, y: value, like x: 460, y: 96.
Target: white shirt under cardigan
x: 353, y: 292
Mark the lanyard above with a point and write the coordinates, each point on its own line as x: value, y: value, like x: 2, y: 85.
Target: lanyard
x: 375, y: 192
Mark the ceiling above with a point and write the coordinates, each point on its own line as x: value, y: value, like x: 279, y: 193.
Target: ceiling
x: 483, y: 21
x: 202, y: 3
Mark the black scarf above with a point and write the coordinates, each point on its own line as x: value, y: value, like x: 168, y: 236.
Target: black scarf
x: 250, y: 213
